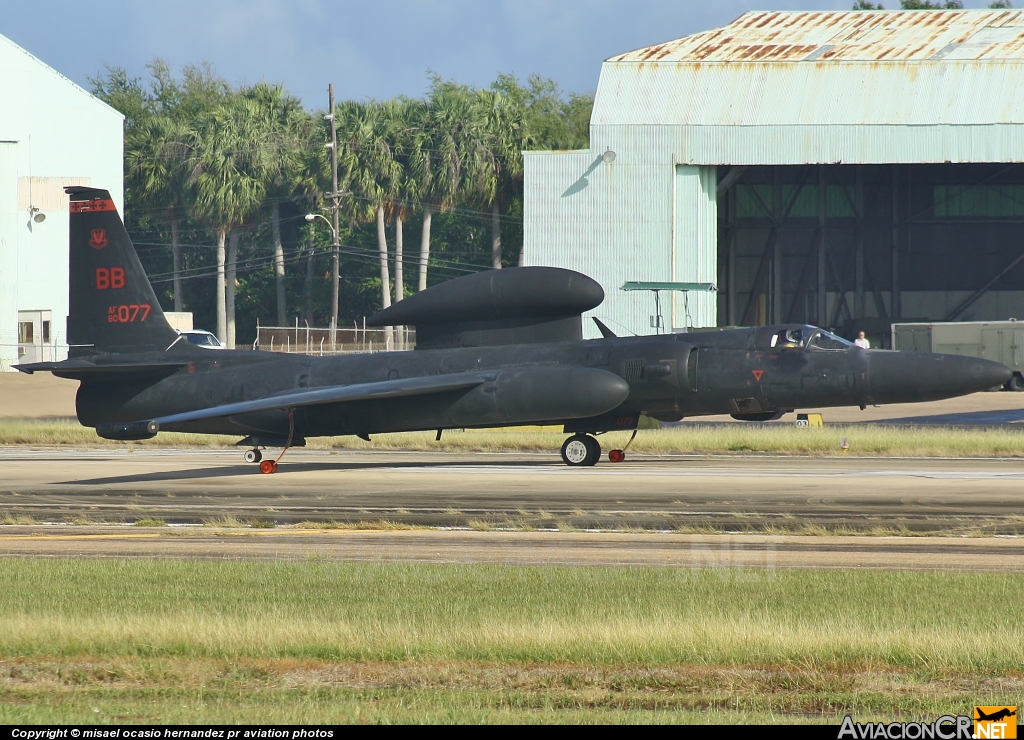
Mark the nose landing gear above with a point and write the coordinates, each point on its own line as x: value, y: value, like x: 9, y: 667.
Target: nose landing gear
x: 620, y: 455
x: 270, y: 466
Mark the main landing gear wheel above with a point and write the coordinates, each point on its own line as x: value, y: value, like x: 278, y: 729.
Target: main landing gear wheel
x: 580, y: 450
x: 252, y: 456
x: 1016, y: 383
x: 268, y: 466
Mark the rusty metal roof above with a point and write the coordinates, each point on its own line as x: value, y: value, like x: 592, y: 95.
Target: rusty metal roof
x: 849, y: 36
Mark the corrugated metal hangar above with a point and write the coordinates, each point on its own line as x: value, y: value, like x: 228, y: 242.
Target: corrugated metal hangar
x: 846, y: 169
x: 52, y: 133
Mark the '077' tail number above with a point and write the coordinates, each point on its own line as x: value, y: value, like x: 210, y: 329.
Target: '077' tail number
x: 126, y: 314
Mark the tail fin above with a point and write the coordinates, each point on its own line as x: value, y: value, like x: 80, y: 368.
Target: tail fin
x: 605, y: 331
x: 112, y: 305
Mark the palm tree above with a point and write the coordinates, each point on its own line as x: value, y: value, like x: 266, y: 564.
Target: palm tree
x: 444, y: 129
x: 498, y: 158
x: 155, y: 168
x: 157, y: 118
x: 285, y: 129
x: 225, y: 172
x: 366, y: 156
x: 406, y: 118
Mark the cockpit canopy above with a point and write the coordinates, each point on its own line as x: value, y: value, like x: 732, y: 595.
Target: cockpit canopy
x: 809, y: 338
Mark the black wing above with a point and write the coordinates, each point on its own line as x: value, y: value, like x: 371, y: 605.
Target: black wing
x: 331, y: 394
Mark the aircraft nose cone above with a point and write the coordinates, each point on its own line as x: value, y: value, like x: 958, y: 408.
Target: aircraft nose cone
x: 991, y: 374
x: 903, y: 377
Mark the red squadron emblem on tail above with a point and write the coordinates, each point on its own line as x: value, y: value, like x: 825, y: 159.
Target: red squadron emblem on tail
x: 98, y: 238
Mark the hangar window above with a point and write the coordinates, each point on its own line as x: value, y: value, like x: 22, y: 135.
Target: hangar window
x: 966, y: 201
x: 755, y: 201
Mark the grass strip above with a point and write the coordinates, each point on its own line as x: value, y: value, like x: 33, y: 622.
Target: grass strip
x: 781, y: 439
x: 223, y: 642
x: 594, y: 615
x: 283, y: 691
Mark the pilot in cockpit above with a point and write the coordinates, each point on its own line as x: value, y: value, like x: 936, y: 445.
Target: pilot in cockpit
x: 809, y: 338
x: 788, y: 339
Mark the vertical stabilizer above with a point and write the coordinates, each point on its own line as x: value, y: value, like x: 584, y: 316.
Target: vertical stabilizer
x: 112, y: 305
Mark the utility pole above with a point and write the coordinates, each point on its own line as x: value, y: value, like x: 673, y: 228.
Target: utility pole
x: 335, y: 207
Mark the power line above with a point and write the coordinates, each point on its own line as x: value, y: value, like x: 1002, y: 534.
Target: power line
x: 256, y: 263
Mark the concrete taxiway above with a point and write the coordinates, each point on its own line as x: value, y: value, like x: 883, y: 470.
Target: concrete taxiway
x: 669, y: 492
x: 535, y: 494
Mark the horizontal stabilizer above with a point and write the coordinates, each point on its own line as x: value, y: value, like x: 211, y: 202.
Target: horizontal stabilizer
x: 333, y: 394
x: 82, y: 369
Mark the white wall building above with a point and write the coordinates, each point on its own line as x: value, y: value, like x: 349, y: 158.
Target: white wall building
x: 52, y: 133
x: 838, y: 168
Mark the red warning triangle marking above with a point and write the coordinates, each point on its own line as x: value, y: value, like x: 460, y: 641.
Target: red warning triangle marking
x: 757, y: 374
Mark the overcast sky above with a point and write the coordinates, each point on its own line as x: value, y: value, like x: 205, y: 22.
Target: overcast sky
x: 370, y: 48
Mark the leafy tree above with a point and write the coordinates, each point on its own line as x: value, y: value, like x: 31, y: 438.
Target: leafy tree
x: 205, y: 158
x: 929, y: 5
x: 551, y: 121
x: 157, y: 118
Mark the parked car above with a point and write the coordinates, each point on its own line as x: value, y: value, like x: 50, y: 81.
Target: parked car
x: 202, y: 338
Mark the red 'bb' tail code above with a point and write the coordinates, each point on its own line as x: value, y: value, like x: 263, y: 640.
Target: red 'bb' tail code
x: 112, y: 305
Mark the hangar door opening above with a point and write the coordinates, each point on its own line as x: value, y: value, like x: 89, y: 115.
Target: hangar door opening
x: 694, y: 245
x: 860, y: 247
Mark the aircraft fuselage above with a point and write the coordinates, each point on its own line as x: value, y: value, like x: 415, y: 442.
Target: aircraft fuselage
x: 578, y: 384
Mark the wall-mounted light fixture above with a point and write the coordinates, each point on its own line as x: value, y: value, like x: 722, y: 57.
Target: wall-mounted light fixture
x: 36, y: 215
x: 608, y: 156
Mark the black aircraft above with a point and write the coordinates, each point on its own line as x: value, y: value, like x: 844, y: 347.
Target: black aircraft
x: 497, y: 348
x: 1003, y: 713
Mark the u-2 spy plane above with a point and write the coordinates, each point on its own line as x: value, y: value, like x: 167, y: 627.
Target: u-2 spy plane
x: 493, y: 349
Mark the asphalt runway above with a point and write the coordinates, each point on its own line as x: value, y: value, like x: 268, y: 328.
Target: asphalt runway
x: 517, y: 490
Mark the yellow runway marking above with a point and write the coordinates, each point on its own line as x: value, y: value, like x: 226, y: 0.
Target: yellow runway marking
x: 133, y: 536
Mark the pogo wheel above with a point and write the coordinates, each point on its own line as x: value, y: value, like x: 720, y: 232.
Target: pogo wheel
x: 268, y: 466
x: 616, y: 455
